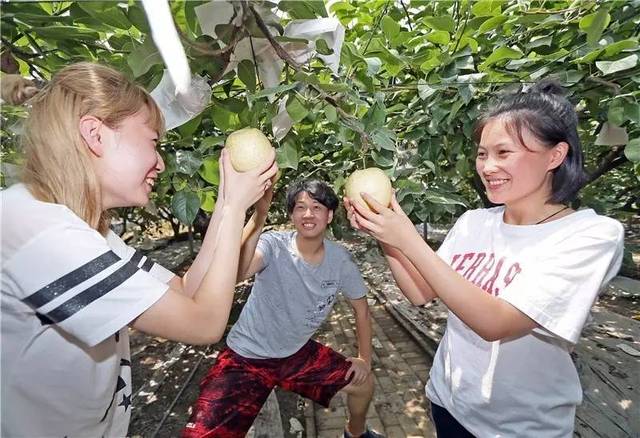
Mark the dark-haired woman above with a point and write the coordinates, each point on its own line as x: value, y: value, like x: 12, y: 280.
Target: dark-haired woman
x: 518, y: 279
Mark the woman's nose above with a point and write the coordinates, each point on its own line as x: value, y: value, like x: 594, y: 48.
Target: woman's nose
x: 160, y: 163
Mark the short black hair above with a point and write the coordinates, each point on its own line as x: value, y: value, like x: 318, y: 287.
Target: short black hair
x: 318, y: 190
x: 545, y: 112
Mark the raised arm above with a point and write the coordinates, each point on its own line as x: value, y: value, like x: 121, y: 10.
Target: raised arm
x: 411, y: 283
x: 202, y: 317
x: 490, y: 317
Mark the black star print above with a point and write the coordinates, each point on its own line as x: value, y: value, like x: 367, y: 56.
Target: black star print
x: 126, y: 401
x: 125, y: 363
x: 117, y: 336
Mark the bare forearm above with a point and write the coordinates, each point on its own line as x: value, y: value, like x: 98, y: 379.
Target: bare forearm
x: 363, y: 333
x: 482, y: 312
x: 193, y: 277
x: 412, y: 284
x: 218, y: 282
x: 250, y: 237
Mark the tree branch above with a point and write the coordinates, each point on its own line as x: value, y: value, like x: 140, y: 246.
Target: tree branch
x: 282, y: 53
x: 614, y: 158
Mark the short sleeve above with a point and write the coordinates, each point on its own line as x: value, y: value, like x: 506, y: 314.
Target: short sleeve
x: 71, y: 277
x: 352, y: 285
x: 445, y: 251
x: 266, y: 244
x: 558, y: 289
x: 145, y: 263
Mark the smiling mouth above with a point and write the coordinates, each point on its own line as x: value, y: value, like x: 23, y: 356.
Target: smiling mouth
x: 150, y: 181
x: 495, y: 183
x: 308, y: 226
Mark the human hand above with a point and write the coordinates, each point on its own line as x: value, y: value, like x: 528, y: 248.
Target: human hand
x: 348, y: 206
x: 243, y: 189
x: 359, y: 369
x: 389, y: 226
x: 263, y: 204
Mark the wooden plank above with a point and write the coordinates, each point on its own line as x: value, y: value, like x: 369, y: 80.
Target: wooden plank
x: 268, y: 423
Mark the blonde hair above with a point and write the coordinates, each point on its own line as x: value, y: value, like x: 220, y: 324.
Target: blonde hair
x: 58, y: 168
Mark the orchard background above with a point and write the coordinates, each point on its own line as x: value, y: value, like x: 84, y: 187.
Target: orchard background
x: 401, y: 92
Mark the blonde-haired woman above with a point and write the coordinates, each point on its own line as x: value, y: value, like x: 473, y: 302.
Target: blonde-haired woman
x: 70, y: 286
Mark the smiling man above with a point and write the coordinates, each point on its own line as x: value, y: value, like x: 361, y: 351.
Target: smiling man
x: 298, y: 275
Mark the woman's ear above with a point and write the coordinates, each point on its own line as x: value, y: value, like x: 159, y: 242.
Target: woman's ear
x: 91, y: 131
x: 558, y: 154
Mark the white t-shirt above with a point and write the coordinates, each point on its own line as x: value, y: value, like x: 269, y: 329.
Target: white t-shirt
x: 67, y: 297
x: 553, y: 273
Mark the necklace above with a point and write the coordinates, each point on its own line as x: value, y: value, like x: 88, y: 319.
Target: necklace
x: 552, y: 215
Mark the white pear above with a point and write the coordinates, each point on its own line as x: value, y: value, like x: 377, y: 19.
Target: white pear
x: 248, y: 148
x: 372, y: 181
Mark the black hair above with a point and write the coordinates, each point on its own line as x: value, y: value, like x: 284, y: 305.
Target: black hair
x: 318, y: 190
x: 545, y: 112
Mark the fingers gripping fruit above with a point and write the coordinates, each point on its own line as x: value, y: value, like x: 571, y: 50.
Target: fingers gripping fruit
x: 248, y: 148
x: 372, y: 181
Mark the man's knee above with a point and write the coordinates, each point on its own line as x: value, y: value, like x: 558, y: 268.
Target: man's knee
x: 365, y: 388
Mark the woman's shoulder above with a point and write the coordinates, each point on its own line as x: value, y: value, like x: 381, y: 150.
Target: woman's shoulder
x: 25, y: 218
x: 588, y: 221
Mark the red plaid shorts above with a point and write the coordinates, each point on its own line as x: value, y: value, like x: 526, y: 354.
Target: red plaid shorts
x: 235, y: 388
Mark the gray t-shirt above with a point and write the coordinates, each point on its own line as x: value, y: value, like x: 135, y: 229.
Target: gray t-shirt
x: 291, y: 298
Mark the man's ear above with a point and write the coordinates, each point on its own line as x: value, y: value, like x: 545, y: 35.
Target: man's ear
x: 330, y: 218
x: 91, y: 129
x: 558, y: 154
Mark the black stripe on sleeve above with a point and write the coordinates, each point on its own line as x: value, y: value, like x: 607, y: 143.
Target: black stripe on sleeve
x: 91, y: 294
x: 147, y: 265
x: 53, y: 290
x: 137, y: 256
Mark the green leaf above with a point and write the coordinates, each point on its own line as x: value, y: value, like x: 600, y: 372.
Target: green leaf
x: 595, y: 24
x: 441, y: 37
x: 390, y: 27
x: 330, y: 113
x: 211, y: 141
x: 621, y: 46
x: 616, y: 114
x: 322, y: 47
x: 384, y: 139
x: 632, y: 112
x: 223, y: 119
x: 185, y: 205
x: 303, y: 9
x: 274, y: 90
x: 632, y: 150
x: 487, y: 8
x: 287, y: 156
x: 207, y: 200
x: 609, y: 67
x: 70, y: 33
x: 437, y: 197
x: 570, y: 77
x: 373, y: 65
x: 491, y: 23
x: 187, y: 162
x: 444, y: 22
x: 296, y: 108
x: 425, y: 90
x: 247, y: 74
x: 210, y: 170
x: 498, y: 55
x: 144, y: 57
x: 188, y: 128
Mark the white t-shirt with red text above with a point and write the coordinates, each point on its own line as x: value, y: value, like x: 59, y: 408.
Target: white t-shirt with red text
x: 551, y: 272
x: 68, y: 294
